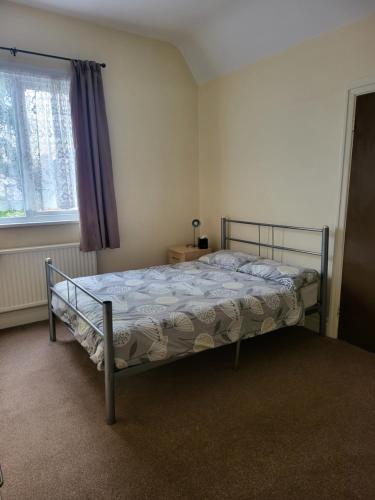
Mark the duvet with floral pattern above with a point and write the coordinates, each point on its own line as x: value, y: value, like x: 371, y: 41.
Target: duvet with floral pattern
x: 168, y: 312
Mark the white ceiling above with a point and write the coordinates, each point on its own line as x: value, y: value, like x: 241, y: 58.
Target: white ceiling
x: 218, y: 36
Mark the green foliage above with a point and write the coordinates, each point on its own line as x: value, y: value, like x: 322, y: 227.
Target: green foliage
x: 11, y: 213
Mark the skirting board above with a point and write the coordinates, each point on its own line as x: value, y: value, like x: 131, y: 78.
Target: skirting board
x: 23, y: 317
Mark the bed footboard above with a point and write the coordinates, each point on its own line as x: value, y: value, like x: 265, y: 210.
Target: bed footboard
x: 106, y: 332
x: 51, y: 316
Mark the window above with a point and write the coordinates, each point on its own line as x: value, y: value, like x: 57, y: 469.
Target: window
x: 37, y: 158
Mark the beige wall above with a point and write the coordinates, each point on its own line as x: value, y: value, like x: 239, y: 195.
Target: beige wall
x: 271, y: 135
x: 152, y: 111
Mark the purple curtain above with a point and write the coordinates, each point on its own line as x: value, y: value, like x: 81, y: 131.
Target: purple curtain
x: 96, y: 194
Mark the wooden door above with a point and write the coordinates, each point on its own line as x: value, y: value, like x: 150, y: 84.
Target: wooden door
x: 357, y: 308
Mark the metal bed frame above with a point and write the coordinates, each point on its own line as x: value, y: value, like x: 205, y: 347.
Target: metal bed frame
x: 110, y: 371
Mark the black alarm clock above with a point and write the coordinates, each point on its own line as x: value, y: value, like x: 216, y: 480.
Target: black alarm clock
x: 203, y: 242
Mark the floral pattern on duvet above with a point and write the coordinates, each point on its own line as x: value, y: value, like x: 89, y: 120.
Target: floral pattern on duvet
x: 171, y: 311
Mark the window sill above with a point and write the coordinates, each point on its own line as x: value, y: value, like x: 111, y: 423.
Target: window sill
x: 36, y: 223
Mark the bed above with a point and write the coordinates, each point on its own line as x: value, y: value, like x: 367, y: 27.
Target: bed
x: 137, y: 320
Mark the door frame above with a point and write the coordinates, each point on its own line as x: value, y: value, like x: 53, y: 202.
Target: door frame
x: 354, y: 90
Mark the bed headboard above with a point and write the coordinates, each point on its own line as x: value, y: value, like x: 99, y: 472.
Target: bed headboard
x: 322, y: 254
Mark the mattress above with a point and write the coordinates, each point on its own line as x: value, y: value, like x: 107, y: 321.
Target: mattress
x: 168, y: 312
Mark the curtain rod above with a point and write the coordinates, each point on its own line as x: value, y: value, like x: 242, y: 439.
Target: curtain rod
x: 14, y: 52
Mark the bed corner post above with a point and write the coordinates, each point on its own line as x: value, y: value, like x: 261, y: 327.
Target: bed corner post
x: 324, y: 281
x: 51, y: 316
x: 223, y: 243
x: 109, y: 363
x: 237, y: 356
x: 224, y: 236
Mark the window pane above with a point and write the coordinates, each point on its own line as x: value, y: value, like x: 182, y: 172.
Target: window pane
x: 52, y: 171
x: 11, y: 189
x: 37, y: 158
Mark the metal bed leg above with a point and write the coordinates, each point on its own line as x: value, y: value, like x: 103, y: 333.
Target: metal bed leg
x: 109, y: 364
x: 223, y: 244
x: 322, y: 323
x: 237, y: 356
x: 323, y: 282
x: 51, y: 316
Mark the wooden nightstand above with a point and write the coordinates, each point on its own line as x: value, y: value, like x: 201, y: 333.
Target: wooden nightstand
x: 184, y: 253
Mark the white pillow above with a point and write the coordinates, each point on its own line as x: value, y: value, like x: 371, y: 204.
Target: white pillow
x: 228, y: 259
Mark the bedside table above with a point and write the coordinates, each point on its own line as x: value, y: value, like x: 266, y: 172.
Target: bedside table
x: 184, y: 253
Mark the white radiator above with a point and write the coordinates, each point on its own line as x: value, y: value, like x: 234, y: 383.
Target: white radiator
x: 22, y: 273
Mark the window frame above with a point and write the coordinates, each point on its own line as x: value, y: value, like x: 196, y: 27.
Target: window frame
x: 40, y: 220
x: 44, y: 218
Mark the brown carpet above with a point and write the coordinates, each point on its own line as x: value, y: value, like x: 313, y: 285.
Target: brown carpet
x: 296, y: 421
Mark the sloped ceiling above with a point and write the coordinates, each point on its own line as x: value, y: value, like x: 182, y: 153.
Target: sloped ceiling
x: 218, y: 36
